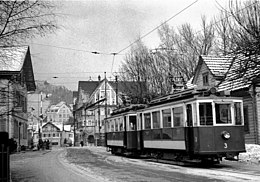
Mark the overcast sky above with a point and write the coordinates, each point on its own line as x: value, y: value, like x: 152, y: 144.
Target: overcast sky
x: 106, y: 26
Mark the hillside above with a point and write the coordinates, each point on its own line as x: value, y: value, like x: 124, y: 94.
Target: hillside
x: 55, y: 93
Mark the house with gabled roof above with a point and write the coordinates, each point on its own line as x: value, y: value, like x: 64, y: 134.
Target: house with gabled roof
x: 59, y: 114
x: 222, y: 72
x: 210, y: 71
x: 16, y: 80
x: 96, y: 100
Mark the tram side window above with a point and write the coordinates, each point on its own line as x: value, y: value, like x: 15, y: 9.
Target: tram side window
x: 147, y: 121
x: 132, y: 123
x: 205, y: 113
x: 166, y: 118
x: 156, y: 119
x: 108, y: 126
x: 112, y: 125
x: 178, y: 116
x: 121, y: 128
x: 238, y: 117
x: 223, y: 113
x: 116, y: 125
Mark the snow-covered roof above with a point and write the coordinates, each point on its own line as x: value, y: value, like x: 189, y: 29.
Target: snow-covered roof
x: 12, y: 58
x: 66, y: 127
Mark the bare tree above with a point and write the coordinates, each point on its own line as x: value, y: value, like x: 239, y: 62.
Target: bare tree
x: 184, y: 45
x: 20, y: 20
x: 239, y: 29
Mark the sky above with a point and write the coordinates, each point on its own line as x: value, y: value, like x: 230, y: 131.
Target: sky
x: 107, y: 26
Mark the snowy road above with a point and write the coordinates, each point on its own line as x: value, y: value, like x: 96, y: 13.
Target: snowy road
x: 95, y: 164
x: 45, y: 166
x: 99, y: 163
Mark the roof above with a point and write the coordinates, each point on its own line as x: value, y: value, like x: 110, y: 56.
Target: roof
x: 127, y: 86
x: 63, y: 127
x: 58, y: 106
x: 123, y: 86
x: 13, y: 60
x: 88, y: 86
x: 218, y: 65
x: 49, y: 123
x: 240, y: 76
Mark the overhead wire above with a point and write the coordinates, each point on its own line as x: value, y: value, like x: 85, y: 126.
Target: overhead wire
x: 157, y: 27
x: 73, y: 49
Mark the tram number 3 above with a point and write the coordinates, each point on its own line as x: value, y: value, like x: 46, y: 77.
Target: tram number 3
x: 225, y: 146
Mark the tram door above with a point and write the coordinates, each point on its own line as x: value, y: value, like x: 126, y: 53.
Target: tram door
x: 125, y: 134
x: 189, y: 131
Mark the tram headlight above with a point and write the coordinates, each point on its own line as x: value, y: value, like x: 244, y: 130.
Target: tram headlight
x: 226, y: 135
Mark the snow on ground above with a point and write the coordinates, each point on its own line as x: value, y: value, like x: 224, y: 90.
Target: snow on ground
x: 252, y: 154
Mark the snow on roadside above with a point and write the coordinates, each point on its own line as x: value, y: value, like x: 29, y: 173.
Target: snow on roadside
x: 252, y: 154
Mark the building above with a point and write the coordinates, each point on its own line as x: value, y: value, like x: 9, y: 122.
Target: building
x: 59, y: 114
x: 57, y: 135
x: 16, y: 80
x: 96, y: 100
x: 220, y: 72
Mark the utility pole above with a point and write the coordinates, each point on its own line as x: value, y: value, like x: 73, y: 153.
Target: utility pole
x: 40, y: 123
x: 74, y: 124
x: 105, y: 105
x: 116, y: 91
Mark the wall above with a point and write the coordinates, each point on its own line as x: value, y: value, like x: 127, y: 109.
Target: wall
x: 211, y: 79
x: 258, y: 111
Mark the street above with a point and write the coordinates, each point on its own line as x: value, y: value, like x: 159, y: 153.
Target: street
x: 95, y: 164
x: 42, y: 166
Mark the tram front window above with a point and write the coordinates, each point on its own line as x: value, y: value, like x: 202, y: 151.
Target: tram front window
x: 205, y: 113
x: 132, y: 123
x: 223, y: 113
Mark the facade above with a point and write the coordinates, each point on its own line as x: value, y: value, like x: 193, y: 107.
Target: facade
x: 16, y: 80
x: 95, y: 101
x: 57, y: 135
x: 59, y: 114
x: 218, y: 72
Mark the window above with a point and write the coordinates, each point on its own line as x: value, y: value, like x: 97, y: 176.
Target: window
x: 44, y: 135
x: 166, y: 118
x: 205, y: 78
x: 147, y: 121
x: 223, y: 114
x: 178, y: 116
x: 156, y: 119
x: 132, y: 123
x: 205, y: 113
x: 238, y: 116
x: 53, y: 134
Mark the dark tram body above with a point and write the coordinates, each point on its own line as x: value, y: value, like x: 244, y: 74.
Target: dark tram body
x: 189, y: 125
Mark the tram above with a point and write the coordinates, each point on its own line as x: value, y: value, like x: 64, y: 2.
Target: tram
x: 189, y: 125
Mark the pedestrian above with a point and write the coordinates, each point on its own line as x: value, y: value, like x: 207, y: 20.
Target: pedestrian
x: 47, y: 144
x: 44, y: 144
x: 81, y: 143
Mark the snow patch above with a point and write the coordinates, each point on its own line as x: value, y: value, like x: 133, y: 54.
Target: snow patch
x: 252, y: 154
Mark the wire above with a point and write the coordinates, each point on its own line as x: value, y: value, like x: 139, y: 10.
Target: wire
x: 157, y: 26
x: 72, y: 49
x: 40, y: 73
x: 226, y: 17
